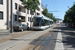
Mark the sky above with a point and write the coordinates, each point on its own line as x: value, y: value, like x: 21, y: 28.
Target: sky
x: 58, y: 5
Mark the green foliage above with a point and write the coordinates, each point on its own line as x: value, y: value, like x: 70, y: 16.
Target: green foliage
x: 31, y: 4
x: 54, y: 19
x: 49, y: 15
x: 70, y: 15
x: 45, y: 12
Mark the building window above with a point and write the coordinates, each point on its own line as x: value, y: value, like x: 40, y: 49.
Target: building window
x: 38, y: 9
x: 28, y: 18
x: 1, y: 15
x: 21, y: 0
x: 38, y: 13
x: 19, y: 8
x: 1, y: 1
x: 16, y: 6
x: 27, y: 11
x: 15, y: 17
x: 22, y: 19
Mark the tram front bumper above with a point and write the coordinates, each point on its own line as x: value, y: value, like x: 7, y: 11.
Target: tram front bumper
x: 38, y: 28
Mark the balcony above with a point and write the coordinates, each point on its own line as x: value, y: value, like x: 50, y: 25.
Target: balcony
x: 22, y: 9
x: 21, y: 19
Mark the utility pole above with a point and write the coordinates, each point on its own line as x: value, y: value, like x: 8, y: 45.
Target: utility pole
x: 7, y: 14
x: 46, y: 5
x: 11, y: 22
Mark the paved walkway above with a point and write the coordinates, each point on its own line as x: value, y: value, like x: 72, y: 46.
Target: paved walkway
x: 7, y: 35
x: 68, y: 38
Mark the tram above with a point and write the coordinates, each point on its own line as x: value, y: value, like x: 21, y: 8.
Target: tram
x: 41, y: 22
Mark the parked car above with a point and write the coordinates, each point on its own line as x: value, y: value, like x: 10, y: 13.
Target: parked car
x: 65, y: 24
x: 73, y: 25
x: 20, y: 27
x: 69, y: 25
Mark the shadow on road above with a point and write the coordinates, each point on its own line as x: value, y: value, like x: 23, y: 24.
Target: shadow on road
x: 21, y: 39
x: 68, y: 35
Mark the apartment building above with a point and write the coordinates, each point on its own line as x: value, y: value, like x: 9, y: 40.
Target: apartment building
x: 3, y: 14
x: 20, y: 14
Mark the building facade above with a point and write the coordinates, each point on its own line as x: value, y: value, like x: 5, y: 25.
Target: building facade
x: 20, y: 14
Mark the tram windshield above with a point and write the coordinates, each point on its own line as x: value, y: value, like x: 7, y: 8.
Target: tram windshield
x: 37, y: 21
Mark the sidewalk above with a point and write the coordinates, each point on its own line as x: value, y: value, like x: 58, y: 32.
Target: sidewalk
x: 4, y: 32
x: 6, y: 35
x: 68, y: 37
x: 1, y: 31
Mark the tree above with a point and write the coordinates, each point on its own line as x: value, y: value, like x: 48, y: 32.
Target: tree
x: 49, y: 15
x: 54, y: 19
x: 70, y: 15
x: 45, y: 12
x: 31, y: 4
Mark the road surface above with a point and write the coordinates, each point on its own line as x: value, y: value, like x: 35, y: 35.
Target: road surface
x: 59, y: 37
x: 25, y: 39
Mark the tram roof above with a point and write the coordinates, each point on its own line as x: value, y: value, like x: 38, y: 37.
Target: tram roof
x: 43, y: 17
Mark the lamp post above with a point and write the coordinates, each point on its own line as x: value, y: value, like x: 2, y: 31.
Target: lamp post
x: 11, y: 22
x: 68, y: 6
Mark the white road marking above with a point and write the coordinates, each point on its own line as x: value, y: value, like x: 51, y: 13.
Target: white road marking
x: 59, y: 44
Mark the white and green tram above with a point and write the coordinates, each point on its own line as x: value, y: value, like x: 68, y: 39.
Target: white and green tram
x: 41, y: 22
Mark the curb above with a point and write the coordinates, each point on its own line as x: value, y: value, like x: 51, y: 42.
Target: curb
x: 4, y: 31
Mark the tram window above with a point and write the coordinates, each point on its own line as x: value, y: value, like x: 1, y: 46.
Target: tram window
x: 51, y: 22
x: 45, y: 22
x: 42, y: 23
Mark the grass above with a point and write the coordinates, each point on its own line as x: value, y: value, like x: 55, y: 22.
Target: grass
x: 3, y: 29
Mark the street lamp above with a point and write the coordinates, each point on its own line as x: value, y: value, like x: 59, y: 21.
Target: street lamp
x: 68, y: 6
